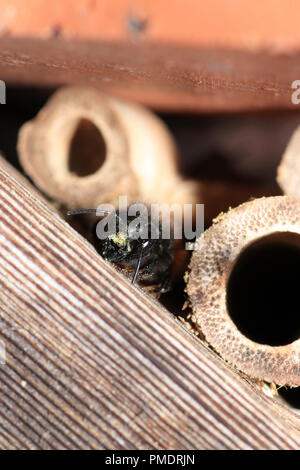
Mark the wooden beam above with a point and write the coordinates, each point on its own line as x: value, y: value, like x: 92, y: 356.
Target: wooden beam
x: 93, y: 363
x: 163, y: 76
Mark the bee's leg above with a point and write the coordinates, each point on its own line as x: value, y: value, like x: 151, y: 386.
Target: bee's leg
x: 137, y: 267
x: 165, y: 285
x: 139, y: 262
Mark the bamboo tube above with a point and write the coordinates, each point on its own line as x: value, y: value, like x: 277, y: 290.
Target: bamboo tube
x: 92, y: 362
x: 85, y: 148
x: 288, y: 172
x: 246, y: 266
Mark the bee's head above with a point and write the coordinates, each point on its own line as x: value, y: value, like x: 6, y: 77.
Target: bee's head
x: 125, y: 244
x: 128, y: 246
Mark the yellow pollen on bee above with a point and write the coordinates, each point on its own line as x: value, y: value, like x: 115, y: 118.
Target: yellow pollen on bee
x: 119, y: 239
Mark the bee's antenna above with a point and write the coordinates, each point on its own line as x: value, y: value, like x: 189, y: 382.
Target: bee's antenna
x: 139, y: 262
x: 88, y: 211
x: 95, y: 211
x: 98, y: 212
x: 137, y: 267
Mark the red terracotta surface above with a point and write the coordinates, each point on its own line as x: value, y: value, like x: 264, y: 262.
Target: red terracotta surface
x: 260, y: 24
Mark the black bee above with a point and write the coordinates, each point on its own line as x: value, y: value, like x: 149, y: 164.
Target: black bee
x: 147, y: 259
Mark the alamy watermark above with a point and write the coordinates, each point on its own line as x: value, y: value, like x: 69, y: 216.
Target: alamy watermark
x: 295, y: 98
x: 154, y: 221
x: 2, y: 92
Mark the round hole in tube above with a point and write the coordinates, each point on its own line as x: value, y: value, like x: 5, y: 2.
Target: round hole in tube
x: 87, y: 149
x: 291, y: 396
x: 263, y: 295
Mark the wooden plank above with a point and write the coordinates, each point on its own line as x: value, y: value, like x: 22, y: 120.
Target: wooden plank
x: 163, y: 76
x: 92, y: 362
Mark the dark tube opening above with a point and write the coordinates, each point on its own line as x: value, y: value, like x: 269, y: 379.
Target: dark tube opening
x: 87, y: 149
x: 291, y: 396
x: 263, y: 290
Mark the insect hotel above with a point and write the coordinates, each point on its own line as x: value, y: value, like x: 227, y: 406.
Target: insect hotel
x: 149, y: 226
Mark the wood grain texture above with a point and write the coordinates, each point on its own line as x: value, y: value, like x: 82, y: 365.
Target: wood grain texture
x: 94, y: 363
x: 163, y: 76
